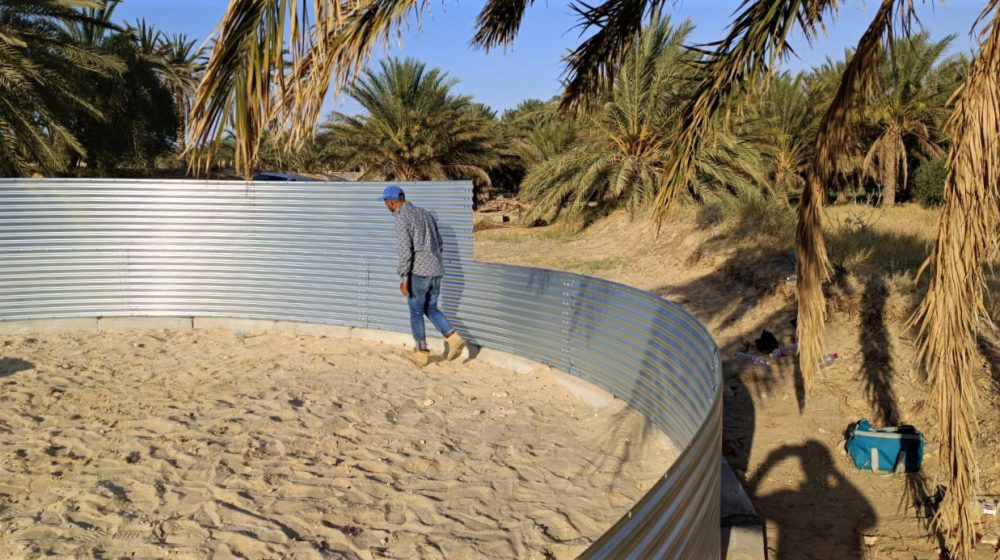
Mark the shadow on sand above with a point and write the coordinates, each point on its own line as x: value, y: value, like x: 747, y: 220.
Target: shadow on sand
x: 10, y: 366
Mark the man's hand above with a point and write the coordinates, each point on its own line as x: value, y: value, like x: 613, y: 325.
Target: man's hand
x: 404, y: 288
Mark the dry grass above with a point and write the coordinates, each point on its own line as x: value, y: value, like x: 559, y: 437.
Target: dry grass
x: 890, y: 242
x: 861, y: 240
x: 591, y: 267
x: 516, y: 235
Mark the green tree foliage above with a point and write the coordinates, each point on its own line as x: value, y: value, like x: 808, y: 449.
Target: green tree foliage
x: 138, y: 119
x: 783, y: 121
x: 178, y: 60
x: 908, y: 106
x: 413, y: 128
x: 616, y: 159
x: 40, y: 84
x: 530, y: 133
x: 928, y: 181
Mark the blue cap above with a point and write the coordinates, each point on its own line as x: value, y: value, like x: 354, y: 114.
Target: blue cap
x: 392, y: 192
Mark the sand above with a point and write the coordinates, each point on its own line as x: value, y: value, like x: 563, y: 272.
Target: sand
x: 205, y: 444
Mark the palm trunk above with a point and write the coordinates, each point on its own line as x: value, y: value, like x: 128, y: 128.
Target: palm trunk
x: 889, y: 190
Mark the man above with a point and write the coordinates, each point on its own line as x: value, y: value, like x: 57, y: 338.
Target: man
x: 420, y: 271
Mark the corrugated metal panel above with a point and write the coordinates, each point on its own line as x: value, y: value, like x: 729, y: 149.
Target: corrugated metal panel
x: 325, y: 253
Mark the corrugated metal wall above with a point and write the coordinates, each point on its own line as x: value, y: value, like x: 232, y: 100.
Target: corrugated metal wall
x: 325, y: 253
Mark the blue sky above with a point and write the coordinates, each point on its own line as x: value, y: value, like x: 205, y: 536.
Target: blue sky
x: 532, y: 67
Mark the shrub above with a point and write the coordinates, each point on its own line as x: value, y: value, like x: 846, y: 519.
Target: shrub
x: 753, y: 216
x: 928, y: 182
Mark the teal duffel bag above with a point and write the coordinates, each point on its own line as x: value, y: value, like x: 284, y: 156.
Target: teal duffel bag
x: 894, y: 449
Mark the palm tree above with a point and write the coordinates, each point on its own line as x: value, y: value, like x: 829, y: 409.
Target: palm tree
x: 93, y: 23
x: 414, y: 128
x: 617, y: 159
x: 535, y: 131
x: 178, y: 60
x: 182, y: 63
x: 148, y: 38
x: 37, y: 91
x: 783, y: 121
x: 910, y: 98
x: 531, y: 132
x: 269, y: 71
x: 248, y: 71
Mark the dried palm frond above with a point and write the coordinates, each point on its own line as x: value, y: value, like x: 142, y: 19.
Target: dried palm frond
x: 275, y: 60
x: 953, y: 309
x: 756, y: 41
x: 831, y: 141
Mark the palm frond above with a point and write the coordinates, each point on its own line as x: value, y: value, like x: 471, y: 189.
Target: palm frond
x: 953, y: 311
x: 812, y: 260
x: 592, y: 65
x: 499, y: 22
x: 41, y: 89
x: 617, y: 158
x: 273, y: 63
x: 757, y: 40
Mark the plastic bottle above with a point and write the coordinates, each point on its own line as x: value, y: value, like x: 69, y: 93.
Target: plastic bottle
x: 752, y: 359
x: 828, y: 359
x: 786, y: 350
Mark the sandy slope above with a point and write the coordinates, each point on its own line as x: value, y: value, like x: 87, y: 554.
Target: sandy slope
x: 789, y: 454
x: 199, y: 444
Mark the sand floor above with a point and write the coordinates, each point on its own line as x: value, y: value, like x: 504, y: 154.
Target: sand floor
x: 202, y: 444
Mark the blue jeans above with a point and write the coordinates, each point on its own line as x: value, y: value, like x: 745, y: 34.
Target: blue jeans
x: 424, y: 292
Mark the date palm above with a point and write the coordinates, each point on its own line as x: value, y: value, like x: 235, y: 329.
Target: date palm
x: 275, y: 60
x: 182, y: 63
x: 178, y: 60
x: 908, y: 102
x: 783, y: 121
x: 413, y: 128
x: 535, y: 131
x: 616, y: 159
x: 251, y: 84
x: 37, y: 91
x: 92, y: 24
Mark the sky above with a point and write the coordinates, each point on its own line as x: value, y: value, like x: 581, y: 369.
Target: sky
x: 532, y: 66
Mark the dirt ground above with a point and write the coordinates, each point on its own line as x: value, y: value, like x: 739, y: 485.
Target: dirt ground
x: 201, y: 444
x: 786, y: 446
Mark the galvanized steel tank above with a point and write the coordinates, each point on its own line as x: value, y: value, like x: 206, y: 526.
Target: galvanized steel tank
x: 325, y: 253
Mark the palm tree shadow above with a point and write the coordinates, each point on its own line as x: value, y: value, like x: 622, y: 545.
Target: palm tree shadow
x: 612, y: 463
x: 989, y: 347
x: 825, y: 507
x: 877, y: 364
x: 753, y: 274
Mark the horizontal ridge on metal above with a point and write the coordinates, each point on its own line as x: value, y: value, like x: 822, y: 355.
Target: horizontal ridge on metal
x: 326, y: 253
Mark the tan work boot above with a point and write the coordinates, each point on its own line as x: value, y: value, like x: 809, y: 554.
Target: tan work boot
x: 455, y: 345
x: 420, y: 357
